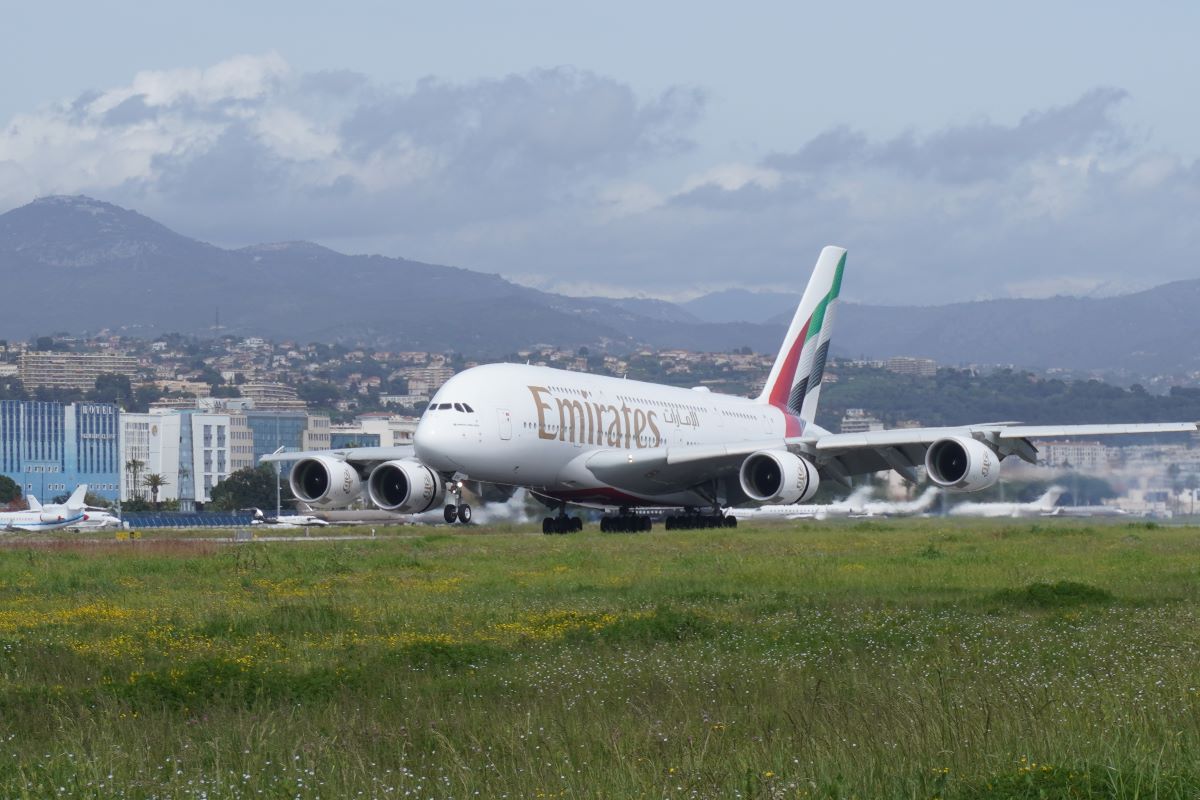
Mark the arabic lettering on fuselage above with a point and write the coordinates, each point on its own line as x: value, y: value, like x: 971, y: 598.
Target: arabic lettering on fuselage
x: 588, y: 421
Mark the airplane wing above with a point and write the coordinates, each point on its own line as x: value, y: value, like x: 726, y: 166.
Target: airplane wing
x: 903, y: 449
x: 838, y: 455
x: 359, y: 455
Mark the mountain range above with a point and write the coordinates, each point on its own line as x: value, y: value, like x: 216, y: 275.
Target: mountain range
x: 78, y: 264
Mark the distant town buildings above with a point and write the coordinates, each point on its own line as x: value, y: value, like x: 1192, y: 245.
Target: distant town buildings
x: 925, y: 367
x: 1083, y: 456
x: 273, y: 396
x: 56, y: 370
x: 856, y: 420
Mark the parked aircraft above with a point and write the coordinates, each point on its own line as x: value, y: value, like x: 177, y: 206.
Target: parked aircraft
x: 288, y: 520
x: 909, y: 508
x: 843, y: 508
x: 858, y: 504
x: 46, y: 518
x: 1044, y: 506
x: 1041, y: 507
x: 573, y: 438
x: 93, y: 518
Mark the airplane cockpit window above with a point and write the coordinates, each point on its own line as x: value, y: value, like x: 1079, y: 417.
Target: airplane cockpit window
x: 458, y: 407
x: 468, y: 408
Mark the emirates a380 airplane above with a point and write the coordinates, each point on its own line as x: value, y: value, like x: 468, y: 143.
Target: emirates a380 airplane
x: 587, y: 440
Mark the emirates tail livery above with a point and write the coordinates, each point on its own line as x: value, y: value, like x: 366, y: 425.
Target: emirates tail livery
x: 585, y: 440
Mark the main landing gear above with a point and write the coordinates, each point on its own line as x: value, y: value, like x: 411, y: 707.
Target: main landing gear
x: 694, y: 522
x: 458, y: 510
x: 625, y: 523
x: 562, y: 524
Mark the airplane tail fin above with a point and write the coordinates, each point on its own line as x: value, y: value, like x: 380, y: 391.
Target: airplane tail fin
x: 795, y: 380
x: 33, y: 503
x: 1051, y: 497
x: 927, y: 499
x: 76, y: 500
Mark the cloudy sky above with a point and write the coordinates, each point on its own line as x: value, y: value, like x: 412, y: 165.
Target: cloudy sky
x: 657, y: 149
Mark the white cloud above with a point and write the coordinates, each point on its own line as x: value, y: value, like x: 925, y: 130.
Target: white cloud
x: 732, y: 177
x: 571, y: 180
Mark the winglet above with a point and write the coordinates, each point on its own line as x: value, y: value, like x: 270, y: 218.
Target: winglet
x: 33, y: 503
x: 795, y: 380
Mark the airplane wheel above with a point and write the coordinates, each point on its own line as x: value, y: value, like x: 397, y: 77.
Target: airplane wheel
x: 731, y: 522
x: 450, y: 513
x: 548, y: 525
x: 647, y: 524
x: 464, y: 513
x: 576, y: 524
x: 604, y: 524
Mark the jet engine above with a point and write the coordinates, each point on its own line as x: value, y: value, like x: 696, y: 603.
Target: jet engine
x: 962, y: 464
x: 405, y: 487
x: 777, y: 476
x: 325, y: 481
x: 51, y: 516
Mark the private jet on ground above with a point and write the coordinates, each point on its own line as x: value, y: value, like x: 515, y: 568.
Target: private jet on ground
x: 46, y: 518
x: 575, y: 439
x: 858, y: 504
x: 288, y: 520
x: 1044, y: 506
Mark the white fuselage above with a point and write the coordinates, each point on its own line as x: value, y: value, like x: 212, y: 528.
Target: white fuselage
x: 34, y: 521
x: 536, y: 427
x: 792, y: 512
x: 96, y: 521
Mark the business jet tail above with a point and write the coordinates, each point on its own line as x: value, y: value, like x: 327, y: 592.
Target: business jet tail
x: 76, y: 500
x: 795, y: 381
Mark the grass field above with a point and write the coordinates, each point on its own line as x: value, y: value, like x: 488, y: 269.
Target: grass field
x: 907, y: 659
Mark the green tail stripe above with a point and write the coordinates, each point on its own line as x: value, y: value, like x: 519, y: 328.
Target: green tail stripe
x: 818, y: 318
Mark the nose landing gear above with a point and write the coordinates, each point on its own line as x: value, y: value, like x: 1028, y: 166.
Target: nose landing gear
x: 457, y: 510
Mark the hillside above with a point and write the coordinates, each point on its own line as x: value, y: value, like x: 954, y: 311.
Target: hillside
x: 79, y: 264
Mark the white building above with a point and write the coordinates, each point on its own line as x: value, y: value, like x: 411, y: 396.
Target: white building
x: 856, y: 420
x: 1082, y: 456
x: 191, y: 450
x: 393, y: 430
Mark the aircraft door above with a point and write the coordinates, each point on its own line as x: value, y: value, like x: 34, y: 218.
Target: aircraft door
x: 504, y: 423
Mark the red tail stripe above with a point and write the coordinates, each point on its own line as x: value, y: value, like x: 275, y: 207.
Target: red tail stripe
x: 783, y: 384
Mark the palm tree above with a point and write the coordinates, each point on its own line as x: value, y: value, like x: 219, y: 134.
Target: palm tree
x: 134, y: 467
x: 154, y: 482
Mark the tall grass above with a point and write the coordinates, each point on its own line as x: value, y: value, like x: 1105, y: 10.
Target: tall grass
x: 908, y: 659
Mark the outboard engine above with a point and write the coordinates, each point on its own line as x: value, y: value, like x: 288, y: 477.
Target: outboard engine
x: 325, y: 481
x: 962, y: 464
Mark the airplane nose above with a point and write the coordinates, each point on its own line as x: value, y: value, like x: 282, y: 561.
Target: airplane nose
x: 433, y: 442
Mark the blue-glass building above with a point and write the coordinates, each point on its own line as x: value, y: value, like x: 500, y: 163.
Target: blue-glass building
x: 50, y: 448
x: 275, y: 429
x: 338, y: 440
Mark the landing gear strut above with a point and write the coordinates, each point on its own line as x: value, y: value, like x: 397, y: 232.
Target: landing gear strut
x: 457, y: 510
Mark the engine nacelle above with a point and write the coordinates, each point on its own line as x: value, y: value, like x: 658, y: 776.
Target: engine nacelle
x: 405, y: 487
x: 51, y: 516
x: 962, y: 464
x: 777, y: 476
x: 325, y: 481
